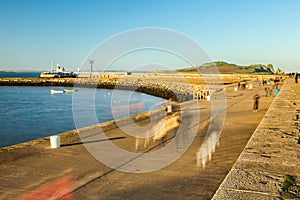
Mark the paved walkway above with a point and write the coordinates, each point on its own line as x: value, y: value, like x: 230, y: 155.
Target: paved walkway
x: 26, y: 167
x: 269, y: 166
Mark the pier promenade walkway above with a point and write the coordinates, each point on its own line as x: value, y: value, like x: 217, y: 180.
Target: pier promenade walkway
x: 269, y: 166
x: 32, y: 166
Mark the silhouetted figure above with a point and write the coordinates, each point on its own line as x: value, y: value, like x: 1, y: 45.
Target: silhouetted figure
x: 276, y: 81
x: 255, y: 105
x: 296, y: 77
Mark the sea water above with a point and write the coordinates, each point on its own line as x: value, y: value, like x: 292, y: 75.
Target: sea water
x: 28, y: 113
x: 4, y: 74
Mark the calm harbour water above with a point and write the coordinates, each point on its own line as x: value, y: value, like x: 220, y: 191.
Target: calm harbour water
x: 28, y: 113
x: 19, y: 74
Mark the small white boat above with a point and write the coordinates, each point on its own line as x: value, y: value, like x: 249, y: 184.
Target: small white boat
x: 56, y: 91
x: 66, y: 90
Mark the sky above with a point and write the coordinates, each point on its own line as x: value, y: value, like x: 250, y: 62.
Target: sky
x: 36, y: 32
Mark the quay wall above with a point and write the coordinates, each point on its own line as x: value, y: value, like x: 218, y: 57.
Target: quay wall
x: 21, y: 150
x: 268, y: 167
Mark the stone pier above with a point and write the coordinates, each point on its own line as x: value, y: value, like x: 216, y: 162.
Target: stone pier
x: 269, y: 166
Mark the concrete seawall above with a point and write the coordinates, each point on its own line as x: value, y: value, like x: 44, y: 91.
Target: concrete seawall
x: 268, y: 167
x: 24, y: 149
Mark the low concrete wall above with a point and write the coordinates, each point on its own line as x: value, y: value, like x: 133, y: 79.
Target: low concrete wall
x: 269, y: 166
x: 25, y: 149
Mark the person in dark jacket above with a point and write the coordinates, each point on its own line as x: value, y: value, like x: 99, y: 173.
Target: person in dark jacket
x: 255, y: 105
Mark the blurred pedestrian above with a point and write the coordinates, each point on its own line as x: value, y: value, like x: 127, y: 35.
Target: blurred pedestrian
x: 296, y: 77
x: 255, y: 104
x: 267, y: 90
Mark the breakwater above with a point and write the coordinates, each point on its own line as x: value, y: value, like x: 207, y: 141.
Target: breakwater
x: 268, y: 167
x: 178, y: 92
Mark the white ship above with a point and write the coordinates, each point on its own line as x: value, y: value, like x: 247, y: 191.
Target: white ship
x: 59, y: 72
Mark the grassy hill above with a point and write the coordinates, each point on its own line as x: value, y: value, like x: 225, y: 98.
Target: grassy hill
x: 228, y: 68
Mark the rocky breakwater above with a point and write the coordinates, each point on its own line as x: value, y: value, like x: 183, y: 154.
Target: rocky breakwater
x: 166, y: 89
x: 268, y: 167
x: 66, y: 82
x: 177, y: 91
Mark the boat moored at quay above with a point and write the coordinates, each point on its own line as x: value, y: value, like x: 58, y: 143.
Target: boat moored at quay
x: 59, y: 72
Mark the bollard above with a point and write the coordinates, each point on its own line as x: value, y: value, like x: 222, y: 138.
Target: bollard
x: 55, y: 141
x: 208, y: 98
x: 169, y: 109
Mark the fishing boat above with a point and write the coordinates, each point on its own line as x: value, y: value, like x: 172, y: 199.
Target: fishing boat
x: 59, y: 72
x: 66, y: 90
x: 56, y: 91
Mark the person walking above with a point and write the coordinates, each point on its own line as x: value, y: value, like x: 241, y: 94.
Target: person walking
x: 267, y: 90
x: 255, y: 105
x: 296, y: 77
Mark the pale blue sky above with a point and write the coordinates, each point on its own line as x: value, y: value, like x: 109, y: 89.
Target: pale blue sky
x: 34, y: 32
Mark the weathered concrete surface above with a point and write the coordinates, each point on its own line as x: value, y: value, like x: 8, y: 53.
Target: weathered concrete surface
x: 272, y: 153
